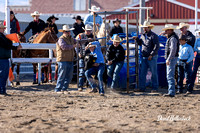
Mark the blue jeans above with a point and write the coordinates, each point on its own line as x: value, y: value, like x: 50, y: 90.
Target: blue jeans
x: 152, y: 65
x: 81, y: 73
x: 194, y: 72
x: 186, y: 69
x: 92, y: 71
x: 170, y: 76
x: 65, y: 74
x: 4, y: 71
x: 113, y: 71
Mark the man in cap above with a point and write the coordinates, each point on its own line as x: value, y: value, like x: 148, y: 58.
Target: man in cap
x: 82, y: 52
x: 97, y: 68
x: 184, y: 31
x: 171, y: 55
x: 5, y: 53
x: 65, y: 56
x: 78, y: 26
x: 185, y: 62
x: 117, y: 28
x: 196, y: 64
x: 89, y: 18
x: 150, y: 46
x: 115, y: 56
x: 37, y: 25
x: 51, y: 23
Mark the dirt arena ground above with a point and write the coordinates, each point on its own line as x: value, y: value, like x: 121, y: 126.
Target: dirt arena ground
x: 32, y: 108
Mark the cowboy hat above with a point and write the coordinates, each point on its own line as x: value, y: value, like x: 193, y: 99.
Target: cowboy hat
x: 93, y: 44
x: 147, y: 24
x: 65, y: 28
x: 36, y: 13
x: 87, y: 27
x: 197, y: 31
x: 116, y: 39
x: 168, y: 27
x: 52, y: 17
x: 181, y: 25
x: 77, y: 18
x: 94, y: 9
x: 2, y: 26
x: 116, y: 20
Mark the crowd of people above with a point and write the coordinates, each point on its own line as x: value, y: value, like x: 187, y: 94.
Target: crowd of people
x: 179, y: 51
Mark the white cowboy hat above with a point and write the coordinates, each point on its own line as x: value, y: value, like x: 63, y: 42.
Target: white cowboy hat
x: 36, y: 13
x: 147, y: 24
x: 87, y: 27
x: 117, y: 39
x: 2, y: 26
x: 168, y: 27
x: 197, y: 31
x: 94, y: 9
x: 181, y: 25
x: 65, y: 28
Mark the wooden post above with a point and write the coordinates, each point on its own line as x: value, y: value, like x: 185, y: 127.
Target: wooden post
x: 127, y: 47
x: 137, y: 55
x: 94, y: 36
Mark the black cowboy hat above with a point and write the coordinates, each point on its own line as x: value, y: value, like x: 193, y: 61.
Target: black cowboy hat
x: 78, y: 17
x: 52, y: 17
x: 116, y: 20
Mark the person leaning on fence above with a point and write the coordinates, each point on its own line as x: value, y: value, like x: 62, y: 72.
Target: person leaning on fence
x: 78, y: 26
x: 89, y: 18
x: 150, y: 46
x: 14, y: 23
x: 171, y: 55
x: 65, y: 56
x: 37, y: 25
x: 185, y: 62
x: 196, y: 63
x: 5, y: 53
x: 117, y: 28
x: 115, y: 56
x: 82, y: 52
x: 184, y: 31
x: 98, y: 67
x: 51, y: 23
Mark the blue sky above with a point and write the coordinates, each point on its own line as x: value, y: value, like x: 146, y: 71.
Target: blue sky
x: 12, y: 2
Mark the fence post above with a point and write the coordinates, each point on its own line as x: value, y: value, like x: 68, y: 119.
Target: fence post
x: 39, y: 73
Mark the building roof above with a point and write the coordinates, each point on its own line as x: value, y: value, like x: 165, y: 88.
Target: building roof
x: 165, y: 11
x: 67, y: 6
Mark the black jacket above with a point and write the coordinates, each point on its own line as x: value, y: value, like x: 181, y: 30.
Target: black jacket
x: 36, y: 27
x: 116, y: 30
x: 5, y: 47
x: 150, y: 44
x: 54, y: 26
x: 78, y: 28
x: 115, y: 54
x: 190, y: 38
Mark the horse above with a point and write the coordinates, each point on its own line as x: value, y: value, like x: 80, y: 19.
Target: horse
x: 104, y: 31
x: 46, y: 36
x: 18, y: 54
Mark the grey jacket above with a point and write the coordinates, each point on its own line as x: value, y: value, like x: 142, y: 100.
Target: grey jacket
x: 172, y: 47
x: 150, y: 44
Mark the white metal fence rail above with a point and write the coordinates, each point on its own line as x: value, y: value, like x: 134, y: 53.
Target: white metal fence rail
x: 48, y: 46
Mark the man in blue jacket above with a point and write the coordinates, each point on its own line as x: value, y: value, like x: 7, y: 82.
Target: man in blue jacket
x: 98, y: 67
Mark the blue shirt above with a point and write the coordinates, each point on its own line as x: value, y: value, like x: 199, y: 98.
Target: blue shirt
x: 89, y: 19
x: 197, y: 45
x: 186, y: 52
x: 97, y: 52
